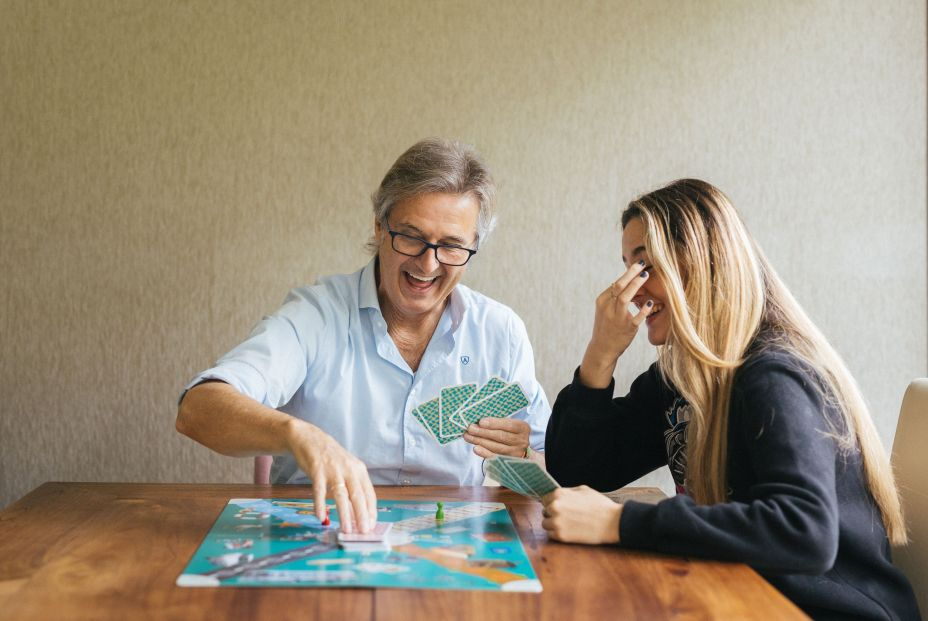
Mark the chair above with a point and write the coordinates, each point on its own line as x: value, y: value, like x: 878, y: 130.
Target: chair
x: 263, y: 469
x: 910, y: 462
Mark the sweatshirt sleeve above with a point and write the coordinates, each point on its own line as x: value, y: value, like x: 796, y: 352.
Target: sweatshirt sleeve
x: 788, y: 521
x: 593, y: 439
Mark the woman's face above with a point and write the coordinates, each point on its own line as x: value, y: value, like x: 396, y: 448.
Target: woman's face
x: 633, y: 250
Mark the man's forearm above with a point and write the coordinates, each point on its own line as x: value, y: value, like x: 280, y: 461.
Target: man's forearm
x: 221, y: 418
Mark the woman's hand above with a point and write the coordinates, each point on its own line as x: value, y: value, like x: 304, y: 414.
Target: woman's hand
x: 333, y: 468
x: 581, y: 515
x: 499, y: 436
x: 614, y: 327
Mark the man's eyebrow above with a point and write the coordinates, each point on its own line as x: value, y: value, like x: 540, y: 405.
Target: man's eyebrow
x: 450, y: 239
x: 637, y: 251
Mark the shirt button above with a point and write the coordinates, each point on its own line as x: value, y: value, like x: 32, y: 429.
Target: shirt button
x: 413, y: 442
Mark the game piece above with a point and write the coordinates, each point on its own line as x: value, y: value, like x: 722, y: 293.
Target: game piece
x: 440, y: 514
x: 326, y: 521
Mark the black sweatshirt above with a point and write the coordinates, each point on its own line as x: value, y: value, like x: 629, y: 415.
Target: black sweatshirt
x: 798, y: 512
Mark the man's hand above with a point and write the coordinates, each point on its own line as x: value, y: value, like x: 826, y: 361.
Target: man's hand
x: 334, y: 469
x: 499, y: 436
x: 581, y: 515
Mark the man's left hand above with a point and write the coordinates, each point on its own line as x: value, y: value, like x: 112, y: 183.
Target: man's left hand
x: 499, y: 436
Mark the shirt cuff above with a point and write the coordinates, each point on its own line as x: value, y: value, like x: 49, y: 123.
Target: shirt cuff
x: 635, y: 525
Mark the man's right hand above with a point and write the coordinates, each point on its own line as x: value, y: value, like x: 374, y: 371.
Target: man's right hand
x: 334, y: 469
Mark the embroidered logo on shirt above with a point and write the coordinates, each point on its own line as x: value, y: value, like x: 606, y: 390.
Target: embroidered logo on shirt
x: 678, y: 417
x: 465, y: 360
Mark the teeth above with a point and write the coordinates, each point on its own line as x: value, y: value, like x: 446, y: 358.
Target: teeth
x: 420, y: 279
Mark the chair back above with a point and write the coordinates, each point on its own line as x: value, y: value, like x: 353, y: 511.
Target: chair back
x: 910, y: 463
x: 263, y: 469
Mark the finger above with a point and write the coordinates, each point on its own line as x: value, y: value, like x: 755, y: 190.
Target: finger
x: 629, y: 276
x: 512, y: 425
x: 486, y: 454
x: 496, y: 447
x: 343, y: 504
x: 497, y: 435
x: 550, y: 525
x: 643, y: 313
x: 370, y: 496
x: 319, y: 496
x: 359, y: 507
x: 628, y: 292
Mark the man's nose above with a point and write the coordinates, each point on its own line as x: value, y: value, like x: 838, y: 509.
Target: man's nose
x: 428, y: 262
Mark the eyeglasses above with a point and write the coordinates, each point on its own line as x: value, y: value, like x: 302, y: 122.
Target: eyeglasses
x: 444, y: 253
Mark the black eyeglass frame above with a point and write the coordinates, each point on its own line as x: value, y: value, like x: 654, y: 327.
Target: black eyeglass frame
x: 426, y: 246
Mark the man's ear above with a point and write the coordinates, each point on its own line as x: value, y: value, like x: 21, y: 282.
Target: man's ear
x: 378, y: 229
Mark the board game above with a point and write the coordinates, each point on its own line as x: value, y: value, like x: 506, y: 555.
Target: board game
x: 280, y: 542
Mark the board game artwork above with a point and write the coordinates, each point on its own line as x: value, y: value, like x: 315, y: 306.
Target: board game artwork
x: 417, y: 545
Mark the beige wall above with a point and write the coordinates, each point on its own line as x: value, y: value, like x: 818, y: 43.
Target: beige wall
x: 168, y: 170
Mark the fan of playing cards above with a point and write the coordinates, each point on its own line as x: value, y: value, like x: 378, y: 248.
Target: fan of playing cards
x: 521, y: 475
x: 448, y: 415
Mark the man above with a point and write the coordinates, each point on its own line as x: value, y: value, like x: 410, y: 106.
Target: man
x: 329, y: 381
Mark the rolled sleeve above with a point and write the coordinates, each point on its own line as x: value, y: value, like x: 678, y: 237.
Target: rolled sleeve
x: 272, y: 363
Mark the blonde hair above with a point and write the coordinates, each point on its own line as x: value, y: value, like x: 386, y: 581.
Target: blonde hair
x: 724, y: 297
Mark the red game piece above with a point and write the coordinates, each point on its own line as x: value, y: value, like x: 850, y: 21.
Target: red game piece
x: 326, y: 522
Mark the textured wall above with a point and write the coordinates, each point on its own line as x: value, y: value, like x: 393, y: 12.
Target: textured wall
x: 168, y: 170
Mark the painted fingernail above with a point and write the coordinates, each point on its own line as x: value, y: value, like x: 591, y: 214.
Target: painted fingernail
x: 650, y: 303
x: 643, y: 274
x: 641, y: 263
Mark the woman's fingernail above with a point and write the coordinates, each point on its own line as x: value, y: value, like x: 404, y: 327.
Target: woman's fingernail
x: 643, y: 274
x: 641, y: 263
x: 650, y: 303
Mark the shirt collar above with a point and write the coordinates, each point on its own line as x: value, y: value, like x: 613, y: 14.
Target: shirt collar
x: 367, y: 295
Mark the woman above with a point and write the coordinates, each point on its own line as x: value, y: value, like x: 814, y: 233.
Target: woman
x: 773, y: 451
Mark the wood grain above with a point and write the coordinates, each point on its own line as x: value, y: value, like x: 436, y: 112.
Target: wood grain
x: 113, y: 551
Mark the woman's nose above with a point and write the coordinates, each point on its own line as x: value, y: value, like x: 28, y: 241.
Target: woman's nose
x: 641, y: 297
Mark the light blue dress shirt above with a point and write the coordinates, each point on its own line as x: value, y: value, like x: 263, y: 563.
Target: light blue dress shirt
x: 325, y: 356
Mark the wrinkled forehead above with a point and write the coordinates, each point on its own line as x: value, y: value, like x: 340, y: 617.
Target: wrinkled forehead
x: 437, y: 216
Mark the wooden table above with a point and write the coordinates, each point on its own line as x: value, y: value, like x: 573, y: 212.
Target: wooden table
x: 114, y: 550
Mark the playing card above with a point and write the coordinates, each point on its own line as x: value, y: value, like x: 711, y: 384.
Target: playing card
x: 451, y: 399
x: 500, y: 404
x: 493, y: 385
x: 379, y: 533
x: 521, y: 475
x: 430, y: 416
x: 500, y: 472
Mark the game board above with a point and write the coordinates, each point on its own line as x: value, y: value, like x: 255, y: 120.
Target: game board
x: 280, y: 542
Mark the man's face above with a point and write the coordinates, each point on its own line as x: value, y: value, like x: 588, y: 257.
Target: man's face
x: 415, y: 287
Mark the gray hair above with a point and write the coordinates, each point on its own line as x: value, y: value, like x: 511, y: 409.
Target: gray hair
x: 437, y: 165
